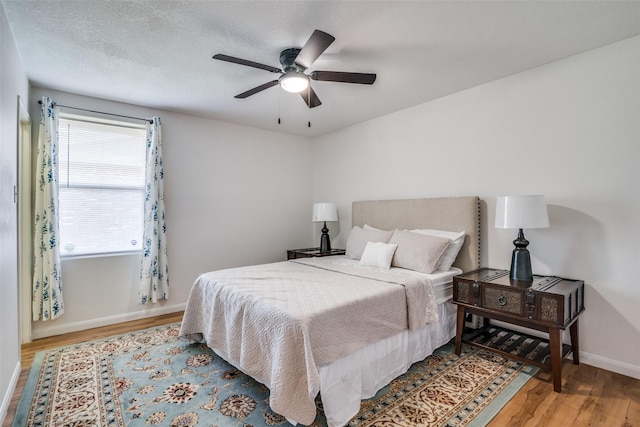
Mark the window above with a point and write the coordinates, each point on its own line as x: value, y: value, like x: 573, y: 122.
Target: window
x: 101, y: 185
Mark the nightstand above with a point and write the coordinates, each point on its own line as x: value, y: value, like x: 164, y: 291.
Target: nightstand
x: 312, y: 252
x: 549, y: 304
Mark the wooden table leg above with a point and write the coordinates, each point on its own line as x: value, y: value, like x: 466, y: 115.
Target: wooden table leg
x: 573, y: 331
x: 460, y: 328
x: 486, y: 322
x: 555, y: 342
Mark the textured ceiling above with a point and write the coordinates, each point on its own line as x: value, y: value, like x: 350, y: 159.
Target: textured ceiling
x: 158, y: 53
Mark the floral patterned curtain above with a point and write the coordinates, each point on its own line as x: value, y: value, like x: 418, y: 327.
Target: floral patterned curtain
x: 154, y: 272
x: 47, y: 284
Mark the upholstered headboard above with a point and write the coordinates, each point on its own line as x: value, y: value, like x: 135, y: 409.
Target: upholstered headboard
x: 446, y: 213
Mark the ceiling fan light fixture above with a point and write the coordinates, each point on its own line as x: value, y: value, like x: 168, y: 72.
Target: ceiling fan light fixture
x: 294, y: 81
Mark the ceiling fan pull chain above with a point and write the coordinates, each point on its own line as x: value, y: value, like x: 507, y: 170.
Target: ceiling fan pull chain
x: 309, y: 109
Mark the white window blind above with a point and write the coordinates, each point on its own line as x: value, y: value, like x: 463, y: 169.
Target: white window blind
x: 101, y: 185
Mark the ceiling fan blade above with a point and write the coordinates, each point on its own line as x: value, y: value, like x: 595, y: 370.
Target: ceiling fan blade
x: 339, y: 76
x: 257, y: 89
x: 235, y: 60
x: 317, y: 43
x: 310, y: 97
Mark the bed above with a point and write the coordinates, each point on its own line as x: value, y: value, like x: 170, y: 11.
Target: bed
x: 332, y: 325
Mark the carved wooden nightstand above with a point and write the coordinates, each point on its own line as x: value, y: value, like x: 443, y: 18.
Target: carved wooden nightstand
x: 548, y: 303
x: 312, y: 252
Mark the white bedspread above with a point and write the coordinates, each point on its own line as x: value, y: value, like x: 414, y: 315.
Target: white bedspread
x: 277, y: 322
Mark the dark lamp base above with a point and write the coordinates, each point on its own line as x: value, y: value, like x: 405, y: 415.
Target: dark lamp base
x: 521, y: 265
x: 521, y: 260
x: 325, y: 242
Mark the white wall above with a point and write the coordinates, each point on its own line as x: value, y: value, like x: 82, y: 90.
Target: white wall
x: 569, y: 130
x: 13, y: 84
x: 235, y: 196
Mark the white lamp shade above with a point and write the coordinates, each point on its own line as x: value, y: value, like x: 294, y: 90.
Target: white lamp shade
x: 521, y: 212
x: 324, y: 212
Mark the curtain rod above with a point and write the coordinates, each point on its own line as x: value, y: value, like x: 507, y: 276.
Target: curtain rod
x: 100, y: 112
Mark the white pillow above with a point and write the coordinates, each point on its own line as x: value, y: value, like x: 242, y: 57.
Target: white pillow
x: 368, y: 227
x: 359, y: 237
x: 450, y: 255
x: 419, y: 252
x: 378, y: 254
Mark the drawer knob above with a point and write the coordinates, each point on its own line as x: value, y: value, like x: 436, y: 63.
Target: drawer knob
x: 502, y: 300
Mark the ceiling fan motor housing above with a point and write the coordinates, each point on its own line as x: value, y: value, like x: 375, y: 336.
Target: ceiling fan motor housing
x: 287, y: 58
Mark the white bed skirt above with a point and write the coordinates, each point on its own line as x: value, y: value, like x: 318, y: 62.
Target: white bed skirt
x: 360, y: 375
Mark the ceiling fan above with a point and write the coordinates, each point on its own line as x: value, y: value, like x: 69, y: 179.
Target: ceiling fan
x: 295, y: 62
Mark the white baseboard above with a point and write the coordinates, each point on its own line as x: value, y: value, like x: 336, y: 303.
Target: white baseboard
x: 6, y: 399
x: 610, y: 364
x: 49, y: 331
x: 588, y: 358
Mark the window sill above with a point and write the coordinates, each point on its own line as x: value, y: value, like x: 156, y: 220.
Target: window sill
x: 101, y: 255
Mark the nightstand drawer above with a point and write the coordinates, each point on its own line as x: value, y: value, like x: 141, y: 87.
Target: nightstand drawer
x: 503, y: 299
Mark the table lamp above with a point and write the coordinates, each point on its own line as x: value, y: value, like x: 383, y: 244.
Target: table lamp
x: 521, y: 212
x: 323, y: 212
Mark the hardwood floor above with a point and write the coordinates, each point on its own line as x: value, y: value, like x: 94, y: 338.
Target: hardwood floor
x: 590, y: 396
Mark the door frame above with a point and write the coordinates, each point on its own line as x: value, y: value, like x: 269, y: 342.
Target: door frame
x: 24, y: 207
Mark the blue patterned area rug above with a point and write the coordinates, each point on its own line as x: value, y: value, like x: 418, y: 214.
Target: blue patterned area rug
x: 153, y: 378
